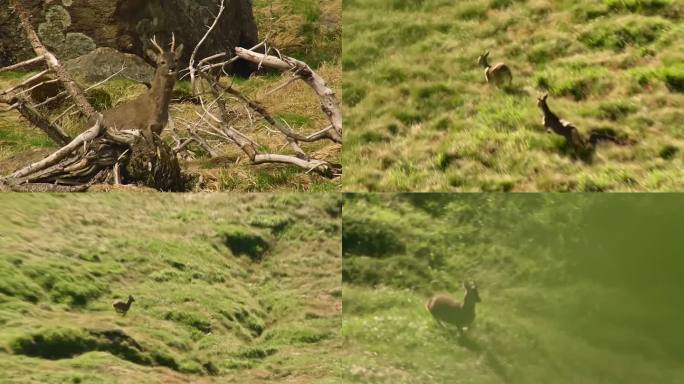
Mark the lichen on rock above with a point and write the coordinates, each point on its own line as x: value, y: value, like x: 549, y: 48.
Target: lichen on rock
x: 77, y: 44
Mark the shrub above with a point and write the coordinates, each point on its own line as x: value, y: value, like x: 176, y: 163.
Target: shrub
x: 242, y: 241
x: 370, y: 237
x: 193, y: 320
x: 629, y: 30
x: 673, y: 77
x: 54, y: 343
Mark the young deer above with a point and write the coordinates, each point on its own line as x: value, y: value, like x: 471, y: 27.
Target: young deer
x: 447, y: 310
x: 558, y: 126
x: 149, y: 112
x: 122, y: 307
x: 497, y: 74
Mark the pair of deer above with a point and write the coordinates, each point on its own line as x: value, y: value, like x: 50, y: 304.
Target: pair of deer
x: 149, y: 112
x: 500, y: 74
x: 448, y: 311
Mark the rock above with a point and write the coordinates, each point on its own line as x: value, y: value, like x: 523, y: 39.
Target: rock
x: 103, y: 62
x: 71, y: 28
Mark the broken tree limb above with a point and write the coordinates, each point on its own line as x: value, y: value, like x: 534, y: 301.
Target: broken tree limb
x: 261, y: 110
x: 53, y: 131
x: 26, y: 63
x: 67, y: 81
x: 24, y: 83
x: 329, y: 103
x: 60, y: 154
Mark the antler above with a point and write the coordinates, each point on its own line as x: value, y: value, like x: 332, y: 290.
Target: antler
x: 154, y: 44
x: 173, y: 42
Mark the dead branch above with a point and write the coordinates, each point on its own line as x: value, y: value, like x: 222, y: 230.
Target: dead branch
x: 24, y: 83
x: 53, y: 131
x: 329, y: 103
x: 60, y: 154
x: 67, y: 81
x: 26, y: 63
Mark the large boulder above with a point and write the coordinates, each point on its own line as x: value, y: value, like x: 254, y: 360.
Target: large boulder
x: 74, y: 28
x: 100, y: 63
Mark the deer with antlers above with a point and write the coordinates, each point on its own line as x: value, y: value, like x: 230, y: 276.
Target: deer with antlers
x: 149, y: 112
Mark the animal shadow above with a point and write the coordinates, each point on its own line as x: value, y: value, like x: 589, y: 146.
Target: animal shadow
x: 514, y: 90
x: 490, y: 358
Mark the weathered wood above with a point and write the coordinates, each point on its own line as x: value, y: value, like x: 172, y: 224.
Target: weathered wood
x: 53, y: 131
x: 26, y: 63
x: 67, y: 80
x: 60, y: 154
x: 329, y: 103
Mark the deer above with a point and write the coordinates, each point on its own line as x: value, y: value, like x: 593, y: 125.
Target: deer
x: 122, y: 307
x: 448, y: 311
x: 497, y: 74
x: 149, y: 112
x: 558, y: 126
x: 571, y: 134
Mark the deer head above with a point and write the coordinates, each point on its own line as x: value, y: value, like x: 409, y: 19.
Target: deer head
x: 541, y: 100
x: 482, y: 60
x: 166, y: 61
x: 472, y: 295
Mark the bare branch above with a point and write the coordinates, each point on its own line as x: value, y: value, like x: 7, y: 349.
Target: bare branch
x: 329, y: 103
x: 84, y: 137
x: 26, y: 63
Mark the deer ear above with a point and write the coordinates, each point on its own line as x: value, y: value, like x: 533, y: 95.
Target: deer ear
x: 152, y: 55
x: 179, y: 52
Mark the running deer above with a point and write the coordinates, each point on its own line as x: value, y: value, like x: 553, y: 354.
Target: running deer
x: 149, y: 112
x: 570, y: 132
x: 122, y: 307
x: 558, y: 126
x: 449, y: 311
x: 497, y: 74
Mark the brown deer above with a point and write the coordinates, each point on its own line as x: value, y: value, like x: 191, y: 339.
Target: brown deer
x: 560, y: 127
x: 572, y: 135
x: 497, y: 74
x: 149, y: 112
x: 449, y: 311
x: 122, y: 307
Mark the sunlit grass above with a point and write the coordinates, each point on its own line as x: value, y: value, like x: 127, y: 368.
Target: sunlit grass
x: 420, y: 116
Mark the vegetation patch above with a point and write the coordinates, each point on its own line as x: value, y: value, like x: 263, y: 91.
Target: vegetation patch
x: 242, y: 241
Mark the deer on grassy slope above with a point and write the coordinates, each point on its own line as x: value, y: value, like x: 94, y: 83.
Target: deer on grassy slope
x: 149, y: 112
x: 446, y: 310
x: 560, y: 127
x: 122, y: 307
x: 497, y: 74
x: 565, y: 128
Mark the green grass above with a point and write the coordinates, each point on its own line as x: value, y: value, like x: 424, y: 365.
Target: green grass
x: 420, y: 116
x: 575, y: 288
x: 204, y: 310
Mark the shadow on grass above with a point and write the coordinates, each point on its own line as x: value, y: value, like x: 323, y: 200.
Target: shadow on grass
x: 491, y: 360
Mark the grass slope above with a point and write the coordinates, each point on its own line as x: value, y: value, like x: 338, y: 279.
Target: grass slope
x: 420, y: 115
x: 575, y: 288
x: 228, y: 288
x: 309, y: 30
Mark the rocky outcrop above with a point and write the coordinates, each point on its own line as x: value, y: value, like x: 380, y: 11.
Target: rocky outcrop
x: 74, y: 28
x: 103, y: 62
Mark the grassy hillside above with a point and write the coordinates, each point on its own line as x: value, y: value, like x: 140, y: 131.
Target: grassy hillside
x: 309, y: 30
x: 227, y: 288
x: 420, y: 115
x: 575, y: 288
